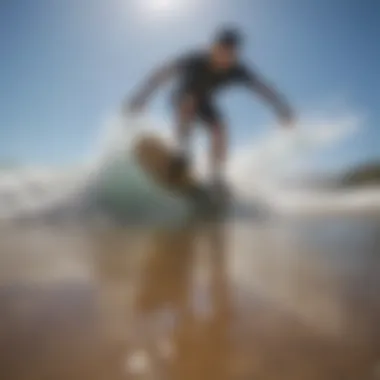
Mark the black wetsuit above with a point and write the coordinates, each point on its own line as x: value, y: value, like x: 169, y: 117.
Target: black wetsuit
x: 198, y: 79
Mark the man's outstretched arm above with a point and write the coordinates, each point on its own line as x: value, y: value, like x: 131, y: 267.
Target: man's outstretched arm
x: 151, y: 84
x: 271, y: 96
x: 278, y: 102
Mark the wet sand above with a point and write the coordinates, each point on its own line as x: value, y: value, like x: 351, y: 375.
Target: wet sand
x: 291, y: 299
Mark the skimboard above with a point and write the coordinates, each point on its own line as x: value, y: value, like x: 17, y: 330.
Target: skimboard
x: 155, y: 157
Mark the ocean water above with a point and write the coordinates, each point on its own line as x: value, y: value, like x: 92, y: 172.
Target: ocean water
x: 110, y: 185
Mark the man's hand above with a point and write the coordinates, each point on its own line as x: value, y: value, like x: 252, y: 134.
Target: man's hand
x: 287, y: 118
x: 137, y: 104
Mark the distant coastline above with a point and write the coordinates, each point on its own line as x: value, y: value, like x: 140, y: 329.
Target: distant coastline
x: 361, y: 176
x: 368, y: 174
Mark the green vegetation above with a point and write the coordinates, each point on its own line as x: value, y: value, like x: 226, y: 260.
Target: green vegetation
x: 368, y: 174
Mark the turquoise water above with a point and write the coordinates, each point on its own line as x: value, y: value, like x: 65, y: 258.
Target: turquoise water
x: 124, y: 190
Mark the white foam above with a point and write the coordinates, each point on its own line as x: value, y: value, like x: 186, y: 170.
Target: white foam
x: 254, y: 170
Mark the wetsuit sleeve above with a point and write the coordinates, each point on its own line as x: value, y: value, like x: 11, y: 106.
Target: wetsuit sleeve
x: 255, y: 82
x: 187, y: 61
x: 246, y: 76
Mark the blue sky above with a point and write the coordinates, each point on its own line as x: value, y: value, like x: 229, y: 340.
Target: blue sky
x: 67, y: 64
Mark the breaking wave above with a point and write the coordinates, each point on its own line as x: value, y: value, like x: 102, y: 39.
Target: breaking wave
x: 109, y: 184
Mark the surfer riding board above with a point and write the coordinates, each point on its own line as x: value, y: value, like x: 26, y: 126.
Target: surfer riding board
x: 155, y: 159
x: 200, y: 75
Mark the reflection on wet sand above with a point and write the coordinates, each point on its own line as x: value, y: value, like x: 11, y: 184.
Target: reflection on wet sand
x: 232, y: 301
x: 182, y: 307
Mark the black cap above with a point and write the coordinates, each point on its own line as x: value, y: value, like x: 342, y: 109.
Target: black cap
x: 230, y: 37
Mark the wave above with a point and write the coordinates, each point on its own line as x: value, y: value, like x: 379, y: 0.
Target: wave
x: 109, y: 183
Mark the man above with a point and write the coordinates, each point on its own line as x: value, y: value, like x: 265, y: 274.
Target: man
x: 200, y: 76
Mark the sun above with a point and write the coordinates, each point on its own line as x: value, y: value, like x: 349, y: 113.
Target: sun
x: 162, y: 7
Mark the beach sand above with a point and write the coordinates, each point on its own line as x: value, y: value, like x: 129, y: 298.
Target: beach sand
x: 293, y: 299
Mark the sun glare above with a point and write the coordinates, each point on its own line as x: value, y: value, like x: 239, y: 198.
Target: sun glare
x: 161, y: 4
x: 162, y: 7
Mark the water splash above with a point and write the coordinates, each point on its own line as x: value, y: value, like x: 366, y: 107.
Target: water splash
x: 110, y: 177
